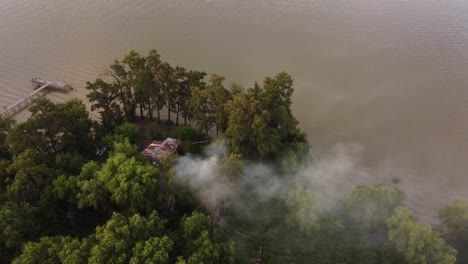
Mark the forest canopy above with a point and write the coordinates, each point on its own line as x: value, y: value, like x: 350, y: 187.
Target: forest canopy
x: 78, y: 190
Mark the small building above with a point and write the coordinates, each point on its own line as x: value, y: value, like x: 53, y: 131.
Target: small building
x: 157, y: 149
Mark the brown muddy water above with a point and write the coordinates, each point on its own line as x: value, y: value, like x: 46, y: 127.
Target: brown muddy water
x: 388, y: 76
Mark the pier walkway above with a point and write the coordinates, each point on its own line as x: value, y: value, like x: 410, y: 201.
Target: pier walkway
x: 41, y: 87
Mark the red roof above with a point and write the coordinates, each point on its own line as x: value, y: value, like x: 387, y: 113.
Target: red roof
x: 158, y: 148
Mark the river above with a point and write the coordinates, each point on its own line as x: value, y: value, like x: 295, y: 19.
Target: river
x: 389, y: 76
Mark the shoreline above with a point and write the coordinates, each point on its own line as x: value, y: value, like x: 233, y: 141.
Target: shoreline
x: 59, y: 97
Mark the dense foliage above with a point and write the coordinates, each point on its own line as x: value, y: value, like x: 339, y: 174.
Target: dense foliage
x: 63, y: 202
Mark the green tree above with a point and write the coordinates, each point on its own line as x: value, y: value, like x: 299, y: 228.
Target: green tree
x: 68, y: 162
x: 454, y: 227
x: 201, y: 110
x: 303, y: 206
x: 201, y: 242
x: 129, y: 131
x: 5, y: 156
x: 123, y: 79
x: 31, y: 177
x: 236, y: 88
x: 265, y: 138
x: 454, y: 219
x: 104, y: 97
x: 242, y: 111
x: 165, y: 76
x: 248, y: 132
x: 53, y: 128
x: 417, y: 242
x: 260, y: 121
x: 142, y: 81
x: 207, y: 104
x: 5, y: 177
x: 46, y: 250
x: 363, y: 214
x: 185, y: 80
x: 16, y: 227
x: 368, y: 207
x: 296, y: 152
x: 189, y: 135
x: 156, y: 93
x: 125, y: 180
x: 217, y: 98
x: 76, y: 251
x: 130, y: 240
x: 68, y: 187
x: 277, y: 100
x: 130, y: 84
x: 5, y: 125
x: 56, y: 249
x: 182, y: 93
x: 152, y: 251
x: 231, y: 167
x: 194, y: 79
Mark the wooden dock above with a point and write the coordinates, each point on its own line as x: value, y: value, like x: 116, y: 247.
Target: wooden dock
x: 40, y: 87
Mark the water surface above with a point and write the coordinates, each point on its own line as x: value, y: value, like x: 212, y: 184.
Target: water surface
x: 390, y: 76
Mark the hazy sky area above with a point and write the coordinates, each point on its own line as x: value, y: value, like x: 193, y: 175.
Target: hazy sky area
x: 385, y: 82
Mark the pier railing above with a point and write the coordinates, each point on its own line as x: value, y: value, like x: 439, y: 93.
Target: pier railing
x: 41, y: 87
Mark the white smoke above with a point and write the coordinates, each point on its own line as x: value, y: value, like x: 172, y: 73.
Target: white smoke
x: 202, y: 174
x: 332, y: 173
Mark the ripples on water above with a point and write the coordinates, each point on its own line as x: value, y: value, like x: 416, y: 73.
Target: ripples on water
x: 389, y: 75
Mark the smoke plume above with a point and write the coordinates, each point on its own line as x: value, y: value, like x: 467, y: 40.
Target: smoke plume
x: 332, y: 173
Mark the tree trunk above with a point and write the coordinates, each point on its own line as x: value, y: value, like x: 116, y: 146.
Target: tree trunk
x: 168, y: 113
x: 141, y: 110
x: 150, y: 111
x: 177, y: 115
x: 131, y: 103
x: 185, y: 121
x: 124, y: 103
x: 159, y: 117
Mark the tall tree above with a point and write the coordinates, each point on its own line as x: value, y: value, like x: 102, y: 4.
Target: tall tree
x: 53, y: 128
x: 16, y: 227
x: 185, y: 80
x: 153, y: 61
x: 417, y: 242
x: 217, y: 97
x: 104, y: 97
x: 367, y: 208
x: 194, y: 79
x: 165, y: 76
x: 125, y: 180
x: 140, y: 78
x: 242, y: 111
x: 265, y: 114
x: 201, y: 109
x: 207, y: 104
x: 182, y: 90
x: 56, y: 249
x: 134, y: 239
x: 454, y: 219
x: 202, y: 244
x: 42, y: 252
x: 76, y: 251
x: 364, y: 213
x: 303, y: 209
x: 122, y: 79
x: 277, y: 100
x: 454, y: 227
x: 32, y: 176
x: 5, y: 125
